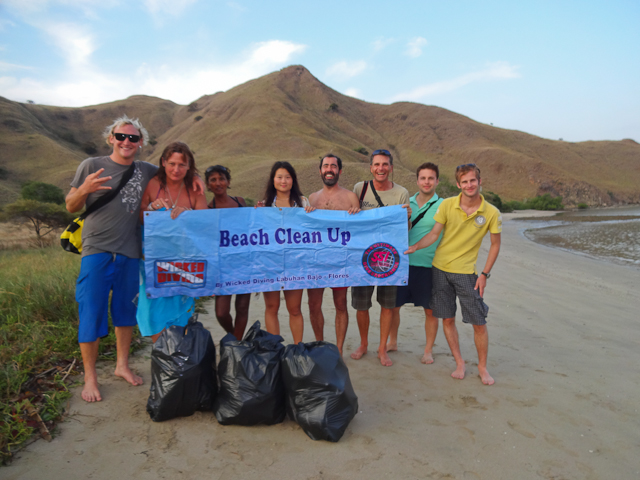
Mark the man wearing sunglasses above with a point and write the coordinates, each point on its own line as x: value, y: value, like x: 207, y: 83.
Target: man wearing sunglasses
x: 376, y: 193
x: 111, y: 247
x: 466, y: 219
x: 331, y: 197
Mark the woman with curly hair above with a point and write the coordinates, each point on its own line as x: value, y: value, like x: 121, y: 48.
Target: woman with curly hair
x: 218, y: 180
x: 171, y: 189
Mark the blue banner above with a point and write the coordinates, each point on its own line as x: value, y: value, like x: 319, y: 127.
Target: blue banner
x: 242, y: 250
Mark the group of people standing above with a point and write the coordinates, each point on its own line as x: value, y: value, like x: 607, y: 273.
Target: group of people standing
x: 445, y: 236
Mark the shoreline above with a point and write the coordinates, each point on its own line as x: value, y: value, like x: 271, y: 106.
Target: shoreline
x: 562, y: 328
x: 542, y: 233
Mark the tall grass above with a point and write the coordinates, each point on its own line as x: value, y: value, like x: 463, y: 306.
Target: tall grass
x: 38, y: 332
x: 38, y: 313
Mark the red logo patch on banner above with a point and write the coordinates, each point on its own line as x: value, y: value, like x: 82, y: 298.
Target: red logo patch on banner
x: 381, y: 260
x: 173, y: 273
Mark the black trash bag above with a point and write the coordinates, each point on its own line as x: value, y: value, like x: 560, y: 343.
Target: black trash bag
x: 320, y: 397
x: 251, y: 388
x: 183, y: 372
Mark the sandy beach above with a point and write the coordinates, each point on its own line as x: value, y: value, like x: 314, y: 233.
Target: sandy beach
x: 564, y: 343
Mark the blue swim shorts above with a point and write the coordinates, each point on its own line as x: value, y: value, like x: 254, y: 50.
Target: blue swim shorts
x: 101, y: 274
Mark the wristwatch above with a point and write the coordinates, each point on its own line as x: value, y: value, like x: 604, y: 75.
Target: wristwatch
x: 486, y: 274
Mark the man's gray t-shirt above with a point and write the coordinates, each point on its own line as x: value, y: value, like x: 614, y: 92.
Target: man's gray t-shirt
x: 398, y: 195
x: 115, y: 227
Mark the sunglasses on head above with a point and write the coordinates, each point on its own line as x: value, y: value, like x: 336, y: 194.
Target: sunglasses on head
x: 466, y: 165
x: 213, y: 168
x: 121, y: 137
x: 382, y: 151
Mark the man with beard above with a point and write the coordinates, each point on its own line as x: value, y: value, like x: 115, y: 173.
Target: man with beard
x: 466, y: 219
x: 331, y: 197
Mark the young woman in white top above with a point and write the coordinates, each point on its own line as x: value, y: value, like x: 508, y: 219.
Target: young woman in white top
x: 283, y: 191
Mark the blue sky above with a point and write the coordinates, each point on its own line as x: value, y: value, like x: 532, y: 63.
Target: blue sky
x: 556, y: 69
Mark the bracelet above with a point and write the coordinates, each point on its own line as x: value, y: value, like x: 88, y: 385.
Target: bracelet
x: 151, y: 208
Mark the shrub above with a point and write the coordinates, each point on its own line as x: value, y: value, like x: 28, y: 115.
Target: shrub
x: 506, y: 207
x: 545, y: 202
x: 198, y: 118
x: 446, y: 189
x: 494, y: 200
x: 333, y: 107
x: 361, y: 150
x: 513, y: 205
x: 541, y: 202
x: 42, y: 192
x: 583, y: 206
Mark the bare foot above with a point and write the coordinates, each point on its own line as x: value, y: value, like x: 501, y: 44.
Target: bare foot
x: 459, y: 372
x: 91, y: 392
x: 485, y: 377
x: 392, y: 347
x: 128, y: 375
x: 385, y: 361
x: 359, y: 353
x: 427, y: 358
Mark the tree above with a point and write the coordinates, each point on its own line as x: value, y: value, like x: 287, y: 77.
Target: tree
x: 45, y: 217
x: 42, y: 192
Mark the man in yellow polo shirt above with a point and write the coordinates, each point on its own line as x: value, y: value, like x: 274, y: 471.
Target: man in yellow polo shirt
x: 466, y: 219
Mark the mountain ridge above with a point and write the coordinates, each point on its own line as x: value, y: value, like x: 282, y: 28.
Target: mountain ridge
x: 290, y: 115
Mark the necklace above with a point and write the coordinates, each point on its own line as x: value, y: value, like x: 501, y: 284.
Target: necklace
x: 275, y: 199
x: 177, y: 198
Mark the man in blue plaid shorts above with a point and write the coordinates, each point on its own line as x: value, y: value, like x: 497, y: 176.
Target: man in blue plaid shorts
x: 466, y: 219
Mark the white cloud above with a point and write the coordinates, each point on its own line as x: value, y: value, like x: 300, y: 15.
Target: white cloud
x: 494, y: 71
x: 186, y: 86
x: 83, y: 82
x: 352, y: 92
x: 87, y: 86
x: 4, y: 23
x: 28, y: 8
x: 75, y: 43
x: 346, y: 70
x: 25, y: 8
x: 380, y: 43
x: 415, y: 46
x: 274, y: 52
x: 5, y: 67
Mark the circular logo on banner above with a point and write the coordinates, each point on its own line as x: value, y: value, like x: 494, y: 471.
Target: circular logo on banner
x: 381, y: 260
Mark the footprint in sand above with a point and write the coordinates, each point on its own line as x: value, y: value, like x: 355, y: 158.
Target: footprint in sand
x: 517, y: 428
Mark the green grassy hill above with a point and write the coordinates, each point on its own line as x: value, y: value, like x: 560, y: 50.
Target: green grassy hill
x: 290, y: 115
